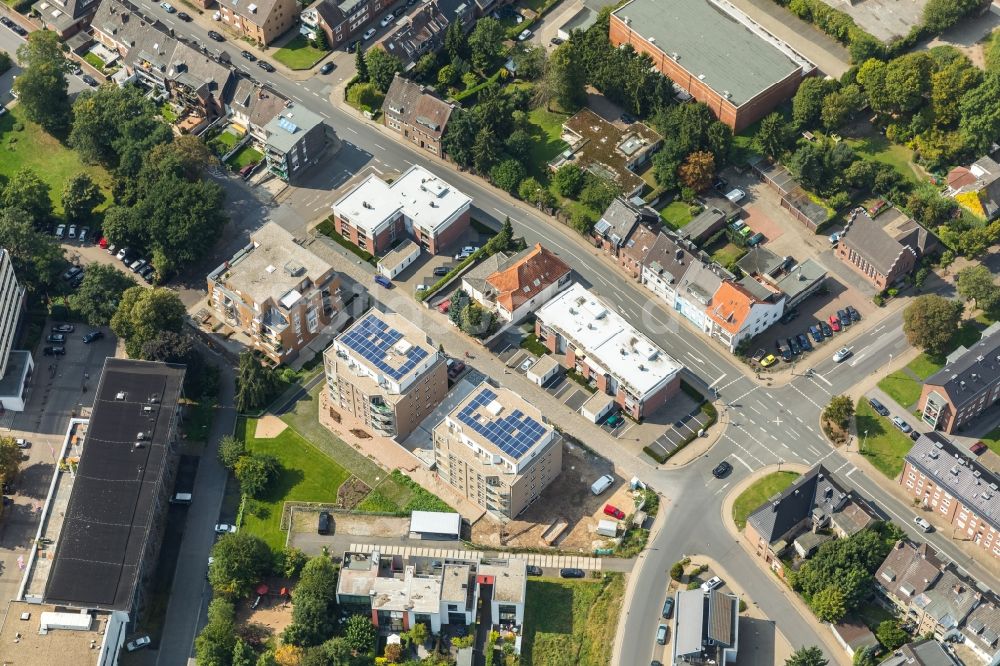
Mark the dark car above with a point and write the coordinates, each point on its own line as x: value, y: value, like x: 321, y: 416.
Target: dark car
x: 216, y: 37
x: 914, y: 435
x: 533, y: 570
x: 63, y: 328
x: 722, y: 469
x: 56, y: 338
x: 827, y: 331
x: 6, y: 21
x: 784, y: 350
x: 789, y: 316
x: 978, y: 448
x: 441, y: 271
x: 571, y: 572
x: 878, y: 407
x: 816, y: 333
x: 326, y: 68
x: 249, y: 56
x: 184, y: 16
x: 627, y: 118
x: 668, y: 608
x: 854, y: 314
x: 804, y: 342
x: 555, y: 41
x: 324, y: 522
x: 54, y: 351
x: 265, y: 65
x: 845, y: 319
x: 89, y: 80
x: 794, y: 344
x: 93, y: 335
x: 72, y: 273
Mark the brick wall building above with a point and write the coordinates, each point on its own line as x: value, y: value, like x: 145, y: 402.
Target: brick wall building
x: 965, y: 387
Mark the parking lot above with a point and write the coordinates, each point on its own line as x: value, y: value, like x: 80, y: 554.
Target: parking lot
x: 673, y: 438
x: 421, y: 271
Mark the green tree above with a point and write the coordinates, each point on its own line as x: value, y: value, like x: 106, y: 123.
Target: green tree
x: 231, y: 449
x: 598, y: 193
x: 828, y: 604
x: 840, y: 410
x: 255, y: 384
x: 939, y: 15
x: 426, y: 65
x: 528, y: 189
x: 255, y: 472
x: 530, y: 61
x: 519, y: 145
x: 460, y: 137
x: 840, y: 106
x: 111, y: 121
x: 365, y: 96
x: 10, y: 459
x: 447, y: 75
x: 361, y: 65
x: 772, y: 136
x: 485, y: 151
x: 866, y: 656
x: 26, y: 191
x: 289, y: 562
x: 41, y: 86
x: 931, y: 321
x: 507, y: 175
x: 143, y: 314
x: 360, y: 633
x: 807, y: 103
x: 382, y: 67
x: 665, y: 171
x: 568, y: 180
x: 216, y: 644
x: 697, y: 170
x: 243, y: 654
x: 320, y: 41
x: 975, y: 283
x: 486, y: 44
x: 563, y: 82
x: 36, y: 256
x: 454, y: 41
x: 80, y: 196
x: 239, y: 560
x: 807, y: 656
x: 891, y: 635
x: 313, y: 604
x: 992, y: 52
x: 98, y: 296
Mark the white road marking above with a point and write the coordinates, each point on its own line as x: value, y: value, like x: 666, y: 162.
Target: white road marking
x: 721, y: 377
x: 755, y: 410
x: 721, y: 489
x: 819, y: 406
x: 350, y: 129
x: 797, y: 418
x: 744, y: 462
x: 378, y: 146
x: 810, y: 428
x: 822, y: 379
x: 815, y: 452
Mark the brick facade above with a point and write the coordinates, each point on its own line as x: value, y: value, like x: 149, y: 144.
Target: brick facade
x: 881, y: 281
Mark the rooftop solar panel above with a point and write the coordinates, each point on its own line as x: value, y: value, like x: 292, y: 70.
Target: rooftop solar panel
x: 374, y: 340
x: 514, y: 434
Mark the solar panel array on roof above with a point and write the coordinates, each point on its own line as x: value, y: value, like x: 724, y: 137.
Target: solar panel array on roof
x: 513, y: 434
x: 287, y: 125
x: 374, y: 340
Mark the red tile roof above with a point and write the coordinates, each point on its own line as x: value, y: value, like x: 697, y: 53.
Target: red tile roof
x: 730, y: 306
x: 519, y: 282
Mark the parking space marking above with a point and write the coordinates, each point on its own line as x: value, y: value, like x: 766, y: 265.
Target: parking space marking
x: 755, y: 410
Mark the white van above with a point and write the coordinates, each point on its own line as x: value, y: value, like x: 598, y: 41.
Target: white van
x: 181, y: 498
x: 602, y: 484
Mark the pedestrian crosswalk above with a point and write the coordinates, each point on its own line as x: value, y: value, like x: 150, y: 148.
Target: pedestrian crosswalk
x: 537, y: 559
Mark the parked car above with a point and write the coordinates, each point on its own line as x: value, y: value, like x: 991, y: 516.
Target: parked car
x: 56, y: 338
x: 93, y: 335
x: 326, y: 68
x: 768, y: 361
x: 827, y: 331
x: 184, y: 17
x: 834, y: 323
x: 722, y: 469
x: 383, y: 281
x: 845, y: 319
x: 736, y: 195
x: 571, y: 572
x: 141, y: 642
x: 249, y: 56
x: 613, y: 511
x: 54, y: 351
x: 63, y: 328
x: 785, y: 351
x: 122, y: 252
x: 804, y: 342
x: 265, y: 65
x: 878, y: 407
x: 525, y: 35
x: 369, y: 33
x: 82, y: 236
x: 147, y: 273
x: 901, y: 424
x: 71, y: 232
x: 89, y: 80
x: 841, y: 354
x: 602, y: 484
x: 387, y: 19
x: 22, y: 443
x: 216, y: 37
x: 661, y: 634
x: 816, y: 333
x: 455, y: 367
x: 615, y: 420
x: 922, y: 523
x: 225, y: 528
x: 555, y: 41
x: 853, y: 313
x: 712, y: 583
x: 914, y: 435
x: 834, y: 238
x: 323, y: 527
x: 441, y: 271
x: 137, y: 265
x: 60, y: 231
x: 6, y: 21
x: 168, y: 8
x: 533, y: 570
x: 668, y: 608
x: 628, y: 119
x: 794, y: 345
x: 978, y: 448
x: 71, y: 273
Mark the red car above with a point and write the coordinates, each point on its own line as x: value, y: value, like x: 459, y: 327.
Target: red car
x: 613, y: 511
x: 834, y: 323
x: 103, y: 243
x: 978, y: 448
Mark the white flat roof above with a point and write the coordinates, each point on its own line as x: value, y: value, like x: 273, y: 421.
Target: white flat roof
x: 427, y: 201
x: 610, y: 343
x: 435, y: 522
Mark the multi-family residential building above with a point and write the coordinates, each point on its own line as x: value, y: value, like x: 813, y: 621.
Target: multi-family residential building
x: 339, y: 21
x: 926, y: 652
x: 618, y: 223
x: 595, y: 341
x: 400, y: 592
x: 981, y: 631
x: 15, y: 365
x: 374, y: 214
x: 65, y: 17
x: 43, y: 634
x: 965, y: 387
x: 276, y: 294
x: 422, y: 30
x: 953, y: 485
x: 386, y: 372
x: 416, y: 113
x: 741, y: 310
x: 497, y: 450
x: 296, y: 139
x: 261, y: 21
x: 251, y: 107
x: 714, y: 53
x: 516, y: 286
x: 665, y: 263
x: 706, y: 628
x: 696, y: 290
x: 944, y: 606
x: 977, y: 187
x: 635, y: 249
x: 814, y: 505
x: 908, y: 570
x: 873, y: 253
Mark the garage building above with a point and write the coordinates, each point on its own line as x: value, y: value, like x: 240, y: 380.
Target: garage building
x: 435, y: 525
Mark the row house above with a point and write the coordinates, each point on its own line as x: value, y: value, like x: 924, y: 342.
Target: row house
x: 339, y: 21
x: 260, y: 21
x: 416, y: 113
x: 741, y: 310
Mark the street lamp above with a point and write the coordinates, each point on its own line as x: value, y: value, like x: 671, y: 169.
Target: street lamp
x: 861, y: 449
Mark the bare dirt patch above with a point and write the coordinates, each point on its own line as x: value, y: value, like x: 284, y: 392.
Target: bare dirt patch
x: 269, y: 426
x: 361, y: 525
x: 351, y: 492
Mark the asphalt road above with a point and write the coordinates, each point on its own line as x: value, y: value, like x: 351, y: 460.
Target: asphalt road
x: 9, y: 42
x: 763, y: 426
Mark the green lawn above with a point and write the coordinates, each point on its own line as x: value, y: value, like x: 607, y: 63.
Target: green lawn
x: 758, y: 493
x: 902, y: 388
x: 298, y: 54
x: 728, y: 254
x: 880, y: 149
x: 246, y: 155
x: 924, y: 366
x: 34, y: 148
x: 571, y: 623
x: 968, y: 334
x: 307, y: 475
x: 992, y: 440
x: 532, y: 344
x: 884, y: 445
x: 96, y: 62
x: 167, y: 112
x: 546, y: 131
x: 676, y: 214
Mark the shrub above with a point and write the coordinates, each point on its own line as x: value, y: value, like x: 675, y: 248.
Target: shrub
x: 365, y: 96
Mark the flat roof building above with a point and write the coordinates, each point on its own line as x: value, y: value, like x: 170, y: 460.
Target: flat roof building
x: 47, y: 635
x: 965, y: 387
x: 435, y: 525
x: 386, y: 372
x: 113, y: 524
x: 714, y: 52
x: 375, y: 214
x: 608, y: 351
x: 15, y: 365
x: 497, y: 450
x: 295, y: 139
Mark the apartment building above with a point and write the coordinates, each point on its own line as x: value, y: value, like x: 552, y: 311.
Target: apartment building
x: 714, y: 53
x: 515, y: 286
x: 261, y: 21
x: 65, y: 17
x: 42, y: 634
x: 375, y: 214
x: 339, y: 21
x: 908, y: 571
x: 15, y: 365
x: 416, y: 113
x: 589, y: 337
x: 706, y: 628
x: 497, y: 450
x: 965, y: 387
x: 386, y: 372
x: 295, y: 139
x: 277, y: 295
x: 741, y: 310
x: 953, y: 485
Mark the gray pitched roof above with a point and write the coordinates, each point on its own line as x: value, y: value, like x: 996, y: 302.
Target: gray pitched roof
x: 800, y: 277
x: 667, y: 255
x: 908, y: 570
x: 761, y: 261
x: 960, y: 475
x: 927, y: 652
x: 949, y: 601
x: 416, y: 106
x: 970, y: 371
x: 618, y: 221
x: 814, y: 494
x: 866, y: 237
x: 705, y: 224
x: 983, y: 627
x: 476, y: 278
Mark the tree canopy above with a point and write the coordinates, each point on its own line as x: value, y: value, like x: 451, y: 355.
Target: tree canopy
x: 41, y: 87
x: 35, y: 255
x: 255, y: 384
x: 239, y: 560
x: 143, y: 314
x: 98, y: 296
x: 931, y: 321
x: 29, y: 193
x: 313, y: 604
x: 975, y: 283
x: 382, y: 67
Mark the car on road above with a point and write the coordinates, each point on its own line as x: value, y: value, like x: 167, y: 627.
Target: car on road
x: 668, y: 608
x: 571, y: 572
x: 215, y: 37
x: 841, y: 354
x: 525, y: 35
x: 768, y: 361
x: 834, y: 323
x: 804, y: 342
x: 369, y: 33
x: 225, y: 528
x: 901, y: 424
x: 265, y: 65
x: 853, y: 313
x: 661, y: 634
x: 63, y: 328
x: 722, y: 469
x: 184, y: 16
x: 879, y: 408
x: 168, y: 8
x: 141, y: 642
x: 57, y: 350
x: 326, y: 68
x: 387, y: 19
x: 712, y: 583
x: 6, y: 21
x: 613, y: 511
x: 93, y: 335
x: 533, y: 570
x: 323, y: 526
x: 441, y: 271
x: 922, y: 524
x: 89, y: 80
x: 56, y: 338
x: 249, y: 56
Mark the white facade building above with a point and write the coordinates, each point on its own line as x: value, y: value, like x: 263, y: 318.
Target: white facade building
x: 15, y: 365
